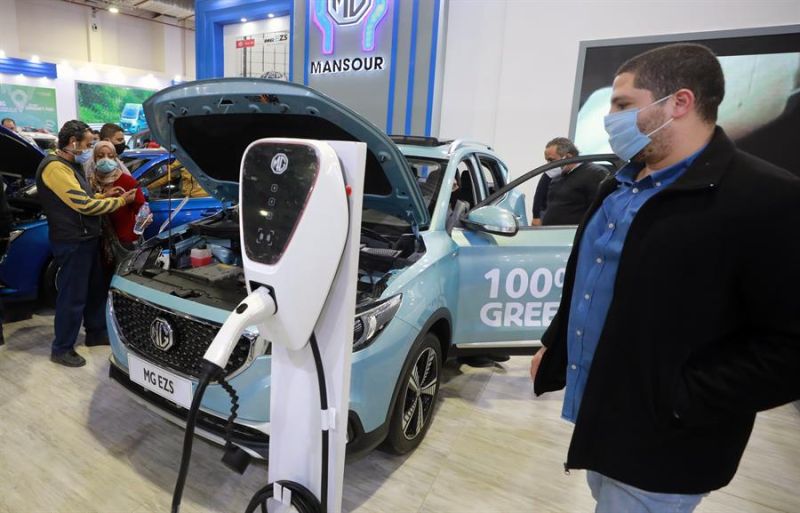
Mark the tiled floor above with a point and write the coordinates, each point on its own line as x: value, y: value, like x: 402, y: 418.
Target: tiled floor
x: 72, y: 441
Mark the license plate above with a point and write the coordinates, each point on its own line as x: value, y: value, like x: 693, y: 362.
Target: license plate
x: 164, y: 383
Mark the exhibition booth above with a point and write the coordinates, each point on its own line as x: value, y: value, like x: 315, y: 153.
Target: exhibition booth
x: 343, y: 276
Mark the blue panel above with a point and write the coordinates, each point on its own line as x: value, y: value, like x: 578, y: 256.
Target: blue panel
x: 306, y: 31
x: 11, y: 66
x: 393, y: 70
x: 432, y: 70
x: 212, y: 15
x: 412, y: 61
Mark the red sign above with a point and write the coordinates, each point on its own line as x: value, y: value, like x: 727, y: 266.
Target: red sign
x: 245, y: 43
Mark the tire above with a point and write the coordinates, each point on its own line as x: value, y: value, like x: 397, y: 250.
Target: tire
x: 416, y: 399
x: 48, y: 286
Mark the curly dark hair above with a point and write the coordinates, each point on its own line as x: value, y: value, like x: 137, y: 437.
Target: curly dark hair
x: 72, y: 128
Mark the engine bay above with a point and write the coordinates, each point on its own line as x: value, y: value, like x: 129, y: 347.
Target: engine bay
x: 205, y: 263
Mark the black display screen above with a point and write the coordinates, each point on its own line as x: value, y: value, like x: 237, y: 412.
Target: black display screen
x: 276, y: 184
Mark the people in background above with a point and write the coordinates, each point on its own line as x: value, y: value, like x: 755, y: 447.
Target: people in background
x: 115, y: 135
x: 108, y: 179
x: 95, y: 137
x: 177, y: 172
x: 73, y: 213
x: 674, y: 329
x: 10, y: 124
x: 571, y: 187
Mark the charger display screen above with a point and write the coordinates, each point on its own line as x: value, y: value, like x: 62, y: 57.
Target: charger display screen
x: 277, y: 181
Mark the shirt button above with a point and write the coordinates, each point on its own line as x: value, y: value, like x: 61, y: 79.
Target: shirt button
x: 573, y: 366
x: 635, y: 190
x: 599, y: 260
x: 610, y: 226
x: 586, y: 297
x: 579, y: 333
x: 658, y: 184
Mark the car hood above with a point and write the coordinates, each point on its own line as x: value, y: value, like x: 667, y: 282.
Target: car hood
x: 209, y: 123
x: 19, y: 156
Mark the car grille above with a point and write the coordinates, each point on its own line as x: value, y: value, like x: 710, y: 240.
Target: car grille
x: 191, y: 337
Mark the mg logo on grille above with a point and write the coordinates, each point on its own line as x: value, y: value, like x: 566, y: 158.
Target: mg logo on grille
x: 348, y: 12
x: 161, y: 334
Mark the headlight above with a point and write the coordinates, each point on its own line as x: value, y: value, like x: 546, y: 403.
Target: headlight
x: 13, y: 235
x: 371, y: 320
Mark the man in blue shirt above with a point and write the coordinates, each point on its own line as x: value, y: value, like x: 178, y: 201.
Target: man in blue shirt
x: 670, y: 337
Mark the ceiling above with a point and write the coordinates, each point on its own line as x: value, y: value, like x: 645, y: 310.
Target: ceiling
x: 172, y: 12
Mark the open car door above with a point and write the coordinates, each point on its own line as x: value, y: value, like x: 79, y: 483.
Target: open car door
x: 510, y: 276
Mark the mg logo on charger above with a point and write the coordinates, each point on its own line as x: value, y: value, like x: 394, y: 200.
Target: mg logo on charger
x: 280, y: 162
x: 161, y: 334
x: 348, y: 12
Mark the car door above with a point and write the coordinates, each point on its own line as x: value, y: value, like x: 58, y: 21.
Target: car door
x: 510, y: 286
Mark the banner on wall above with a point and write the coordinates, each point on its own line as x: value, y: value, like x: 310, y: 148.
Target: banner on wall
x: 106, y: 103
x: 32, y: 108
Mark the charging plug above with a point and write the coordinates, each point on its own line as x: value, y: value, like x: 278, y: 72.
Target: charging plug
x: 251, y: 311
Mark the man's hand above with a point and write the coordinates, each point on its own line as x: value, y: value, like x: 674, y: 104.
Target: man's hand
x: 535, y: 361
x: 115, y: 191
x: 129, y: 196
x: 536, y: 222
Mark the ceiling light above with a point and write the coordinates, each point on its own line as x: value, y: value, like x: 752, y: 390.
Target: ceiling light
x: 244, y: 20
x: 270, y: 15
x: 113, y: 9
x: 2, y: 54
x: 35, y: 58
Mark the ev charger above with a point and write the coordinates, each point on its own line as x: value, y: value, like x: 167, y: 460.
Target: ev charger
x: 300, y: 216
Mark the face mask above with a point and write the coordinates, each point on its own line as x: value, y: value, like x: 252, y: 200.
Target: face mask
x: 624, y: 136
x: 552, y: 173
x: 105, y: 166
x: 119, y: 148
x: 82, y: 157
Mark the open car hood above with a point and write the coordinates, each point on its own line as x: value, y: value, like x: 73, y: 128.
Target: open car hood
x: 18, y: 156
x: 209, y: 123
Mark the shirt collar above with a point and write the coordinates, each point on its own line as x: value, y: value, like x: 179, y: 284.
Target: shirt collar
x: 627, y: 175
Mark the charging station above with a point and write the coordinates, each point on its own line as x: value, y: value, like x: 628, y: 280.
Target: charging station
x: 296, y: 194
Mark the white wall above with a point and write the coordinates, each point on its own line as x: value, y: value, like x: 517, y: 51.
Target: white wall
x: 123, y: 51
x: 510, y: 64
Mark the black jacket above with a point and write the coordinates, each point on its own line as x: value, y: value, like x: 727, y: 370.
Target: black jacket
x: 540, y: 196
x: 64, y: 223
x: 570, y: 196
x: 703, y: 330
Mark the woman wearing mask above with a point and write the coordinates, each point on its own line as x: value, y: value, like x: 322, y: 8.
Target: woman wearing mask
x: 108, y: 178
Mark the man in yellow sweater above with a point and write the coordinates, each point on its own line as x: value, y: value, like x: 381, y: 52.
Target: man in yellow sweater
x: 73, y: 217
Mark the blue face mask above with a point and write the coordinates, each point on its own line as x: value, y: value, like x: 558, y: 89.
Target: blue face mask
x: 83, y: 157
x: 105, y: 166
x: 624, y: 136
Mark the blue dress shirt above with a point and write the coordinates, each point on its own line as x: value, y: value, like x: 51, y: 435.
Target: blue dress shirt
x: 598, y: 260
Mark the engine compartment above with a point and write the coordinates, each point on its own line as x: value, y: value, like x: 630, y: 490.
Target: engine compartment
x: 386, y: 247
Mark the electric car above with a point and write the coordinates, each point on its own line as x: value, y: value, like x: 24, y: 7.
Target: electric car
x: 448, y: 266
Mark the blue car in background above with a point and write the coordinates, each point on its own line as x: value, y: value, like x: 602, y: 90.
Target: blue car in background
x: 28, y: 271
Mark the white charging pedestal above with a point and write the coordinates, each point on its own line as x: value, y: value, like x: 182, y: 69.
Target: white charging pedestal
x: 296, y: 419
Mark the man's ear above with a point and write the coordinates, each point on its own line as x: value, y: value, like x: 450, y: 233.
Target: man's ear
x: 685, y: 103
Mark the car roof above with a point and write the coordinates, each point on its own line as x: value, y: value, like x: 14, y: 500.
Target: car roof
x: 430, y: 147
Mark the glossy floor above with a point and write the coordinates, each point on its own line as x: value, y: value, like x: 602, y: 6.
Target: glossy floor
x: 72, y: 441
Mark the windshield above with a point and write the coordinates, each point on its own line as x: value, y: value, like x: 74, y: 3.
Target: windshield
x: 429, y: 177
x: 133, y: 163
x: 130, y: 111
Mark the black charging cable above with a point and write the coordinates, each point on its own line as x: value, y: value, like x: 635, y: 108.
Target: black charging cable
x: 208, y: 371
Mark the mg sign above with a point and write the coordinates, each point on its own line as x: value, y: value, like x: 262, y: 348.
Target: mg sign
x: 348, y: 12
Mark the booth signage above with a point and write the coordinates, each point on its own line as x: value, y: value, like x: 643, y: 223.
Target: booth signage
x: 245, y: 43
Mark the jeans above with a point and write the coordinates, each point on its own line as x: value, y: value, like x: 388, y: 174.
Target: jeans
x: 82, y: 293
x: 615, y: 497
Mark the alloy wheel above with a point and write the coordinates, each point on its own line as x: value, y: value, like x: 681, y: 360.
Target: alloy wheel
x: 420, y: 394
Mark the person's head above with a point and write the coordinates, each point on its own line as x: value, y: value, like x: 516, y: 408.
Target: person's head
x: 115, y: 135
x: 677, y: 89
x: 9, y: 123
x: 105, y: 160
x: 95, y: 136
x: 74, y: 140
x: 560, y: 148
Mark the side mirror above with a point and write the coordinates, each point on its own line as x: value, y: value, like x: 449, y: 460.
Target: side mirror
x: 492, y: 219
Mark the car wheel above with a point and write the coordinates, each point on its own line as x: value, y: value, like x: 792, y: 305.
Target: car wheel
x: 49, y: 287
x: 419, y: 388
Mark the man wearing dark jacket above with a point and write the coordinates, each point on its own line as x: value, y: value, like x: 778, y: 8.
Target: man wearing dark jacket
x: 73, y: 217
x: 679, y: 316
